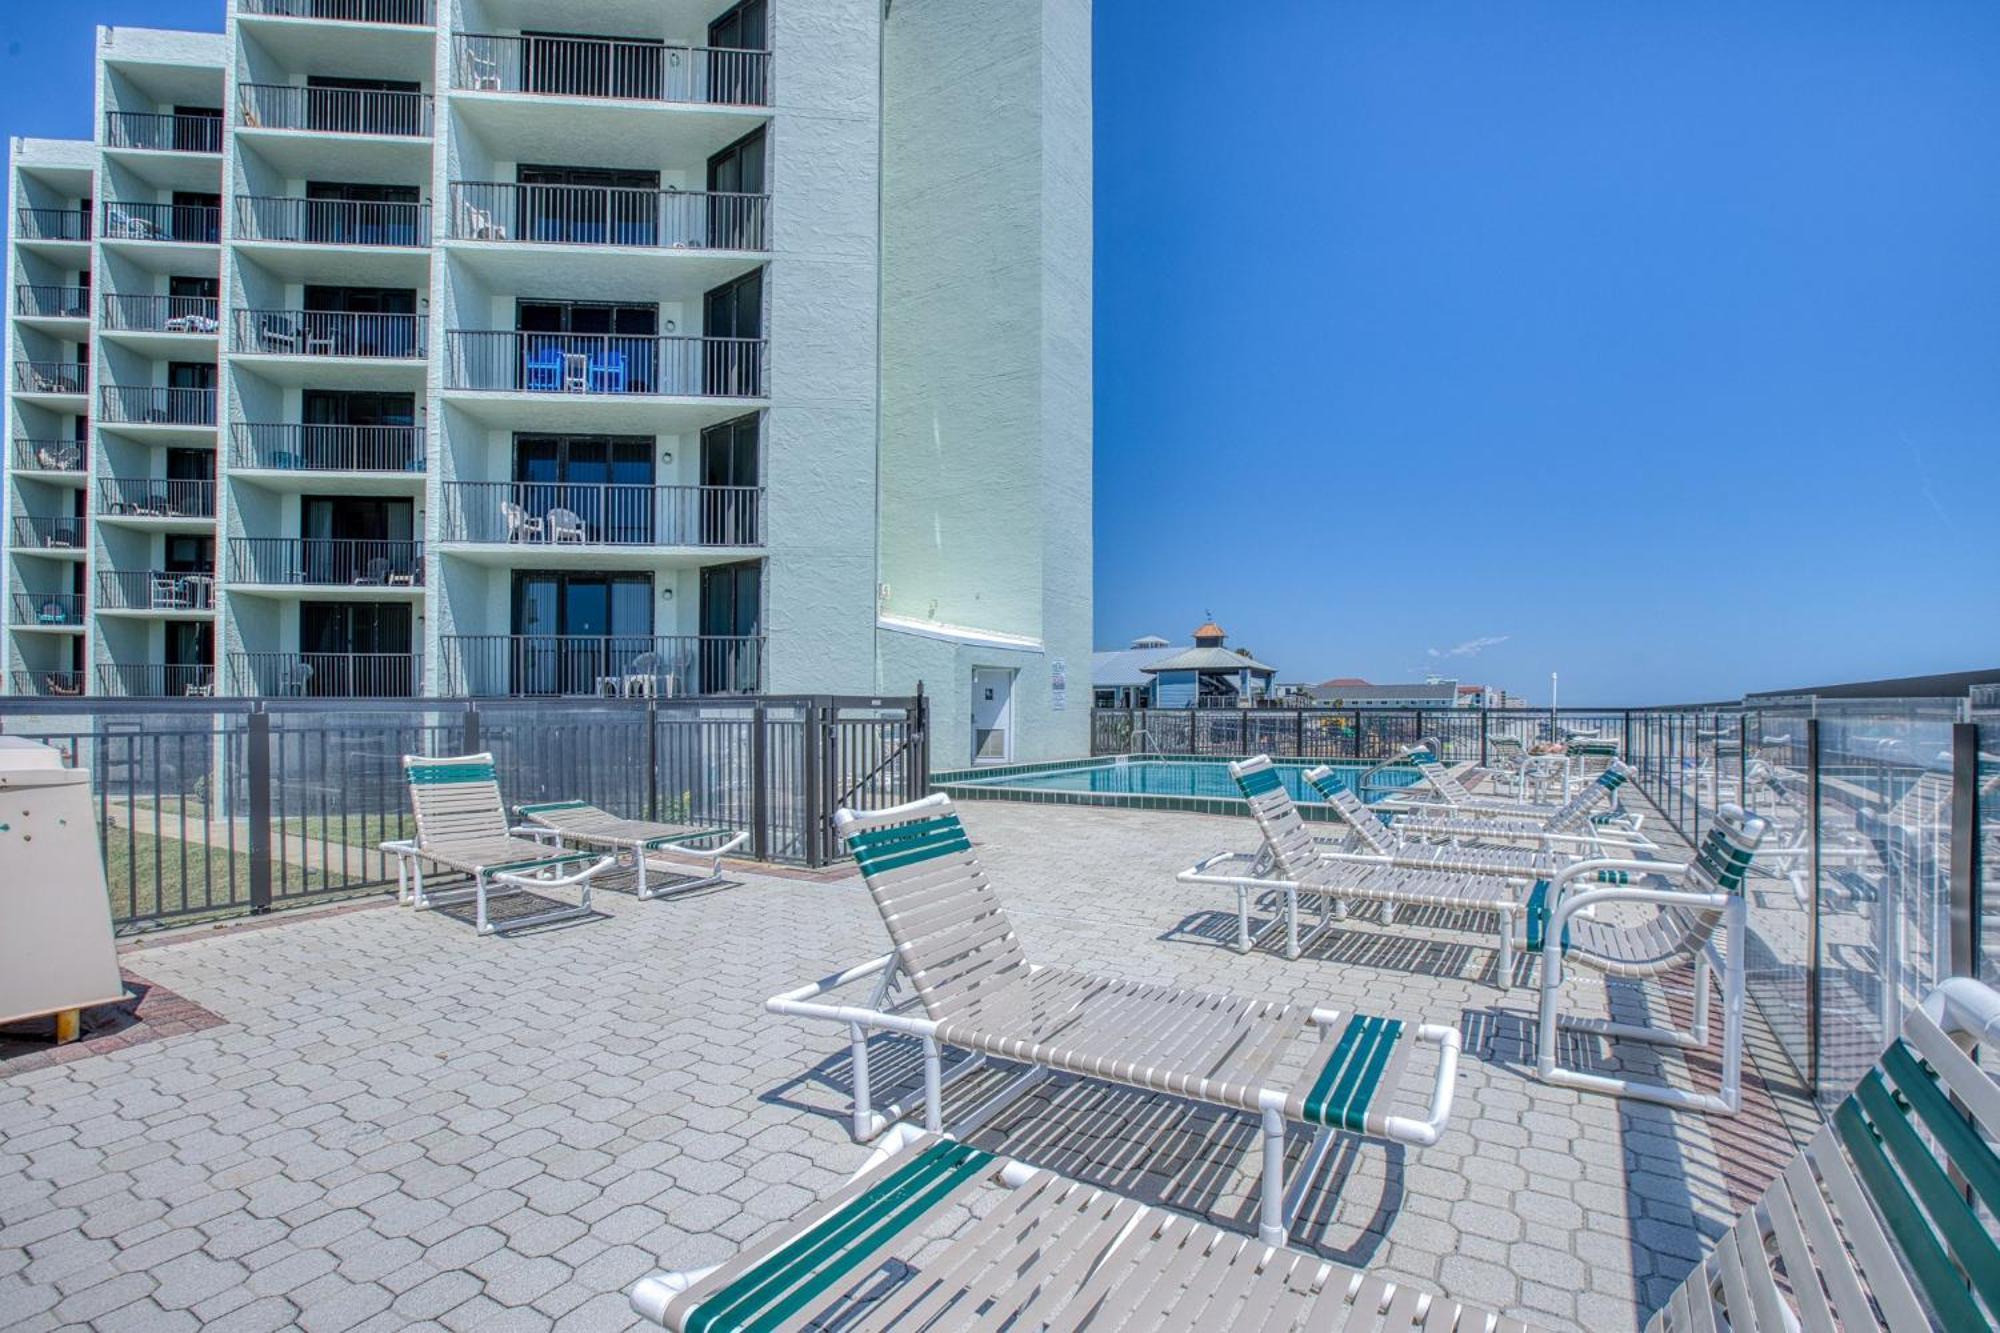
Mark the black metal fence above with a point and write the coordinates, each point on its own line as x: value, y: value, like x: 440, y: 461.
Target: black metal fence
x: 210, y: 808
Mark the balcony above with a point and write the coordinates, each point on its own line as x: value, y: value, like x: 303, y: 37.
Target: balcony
x: 49, y: 684
x: 170, y: 592
x: 32, y: 301
x: 158, y: 498
x: 326, y: 562
x: 70, y: 457
x: 329, y: 333
x: 327, y: 675
x: 607, y: 69
x: 610, y: 364
x: 291, y: 447
x: 48, y: 610
x: 603, y: 216
x: 546, y: 516
x: 155, y: 680
x: 331, y: 221
x: 189, y: 224
x: 284, y: 106
x: 530, y: 665
x: 54, y: 377
x: 155, y: 405
x: 160, y: 314
x: 52, y: 224
x: 410, y: 13
x: 163, y: 133
x: 48, y: 536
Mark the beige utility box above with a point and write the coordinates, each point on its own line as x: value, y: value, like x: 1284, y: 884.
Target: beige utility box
x: 56, y: 951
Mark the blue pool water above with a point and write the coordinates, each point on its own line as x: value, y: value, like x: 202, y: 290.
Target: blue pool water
x: 1180, y: 777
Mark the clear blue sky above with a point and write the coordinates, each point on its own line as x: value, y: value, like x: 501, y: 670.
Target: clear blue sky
x: 1659, y: 342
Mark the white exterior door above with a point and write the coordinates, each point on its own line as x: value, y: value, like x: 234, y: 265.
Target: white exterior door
x: 992, y: 715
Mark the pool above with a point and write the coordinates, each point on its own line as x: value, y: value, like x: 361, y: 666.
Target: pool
x: 1166, y: 782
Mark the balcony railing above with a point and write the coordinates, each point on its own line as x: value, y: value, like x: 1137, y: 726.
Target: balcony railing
x: 290, y: 447
x: 51, y: 609
x: 51, y: 376
x: 47, y: 534
x: 156, y: 497
x: 413, y: 13
x: 331, y: 221
x: 521, y: 665
x: 606, y: 68
x: 155, y: 589
x: 595, y: 215
x: 327, y: 675
x: 559, y: 513
x: 160, y: 314
x: 284, y: 106
x: 596, y: 363
x: 56, y: 683
x: 32, y: 455
x: 152, y: 404
x: 155, y: 680
x: 343, y: 561
x: 329, y: 333
x: 163, y: 132
x: 41, y: 302
x: 196, y: 224
x: 51, y: 224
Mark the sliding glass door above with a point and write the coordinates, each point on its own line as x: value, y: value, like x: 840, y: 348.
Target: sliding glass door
x: 573, y: 631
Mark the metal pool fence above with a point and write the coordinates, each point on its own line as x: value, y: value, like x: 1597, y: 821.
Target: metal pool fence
x: 211, y: 808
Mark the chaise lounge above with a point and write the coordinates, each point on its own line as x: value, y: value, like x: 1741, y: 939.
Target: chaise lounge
x: 661, y: 848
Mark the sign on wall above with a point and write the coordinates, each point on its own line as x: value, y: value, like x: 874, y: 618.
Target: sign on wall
x: 1058, y: 685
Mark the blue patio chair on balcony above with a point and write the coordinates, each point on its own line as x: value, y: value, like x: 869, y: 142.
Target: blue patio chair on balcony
x: 544, y: 368
x: 607, y: 372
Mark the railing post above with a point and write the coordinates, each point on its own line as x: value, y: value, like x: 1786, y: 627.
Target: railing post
x: 1482, y: 737
x: 1813, y: 900
x: 760, y: 804
x: 257, y: 740
x: 1966, y: 907
x: 812, y: 757
x: 652, y: 758
x: 1625, y: 749
x: 471, y: 738
x: 1299, y: 733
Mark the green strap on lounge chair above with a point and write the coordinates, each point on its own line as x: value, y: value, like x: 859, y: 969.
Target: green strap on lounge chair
x: 1347, y: 1082
x: 806, y: 1267
x: 1538, y: 918
x: 1259, y: 781
x: 885, y: 849
x: 423, y: 774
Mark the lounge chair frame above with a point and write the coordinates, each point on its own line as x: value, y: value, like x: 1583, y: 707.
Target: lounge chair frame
x: 649, y: 844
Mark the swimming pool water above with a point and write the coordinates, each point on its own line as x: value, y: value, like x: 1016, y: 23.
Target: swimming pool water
x: 1172, y: 777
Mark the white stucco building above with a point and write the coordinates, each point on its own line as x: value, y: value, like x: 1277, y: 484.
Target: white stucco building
x: 383, y: 348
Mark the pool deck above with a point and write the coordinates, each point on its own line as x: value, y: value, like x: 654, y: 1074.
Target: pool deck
x: 374, y: 1119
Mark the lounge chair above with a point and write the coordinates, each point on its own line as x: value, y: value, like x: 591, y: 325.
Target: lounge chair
x: 1576, y: 822
x: 1451, y: 794
x: 1680, y: 933
x: 462, y: 826
x: 1882, y: 1220
x: 1293, y: 864
x: 978, y: 992
x: 660, y: 847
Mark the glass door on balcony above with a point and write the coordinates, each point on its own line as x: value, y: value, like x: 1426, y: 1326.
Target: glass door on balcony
x: 604, y: 346
x: 190, y: 482
x: 375, y: 321
x: 190, y: 394
x: 197, y: 129
x: 573, y: 472
x: 589, y: 205
x: 196, y: 217
x: 732, y: 79
x: 579, y: 64
x: 190, y: 648
x: 349, y: 213
x: 736, y: 170
x: 356, y: 539
x: 191, y: 304
x: 733, y: 310
x: 729, y: 459
x: 572, y: 630
x: 352, y: 106
x: 357, y: 431
x: 357, y: 649
x: 732, y: 614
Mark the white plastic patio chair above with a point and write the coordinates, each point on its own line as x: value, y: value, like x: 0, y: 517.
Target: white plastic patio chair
x: 566, y: 525
x: 521, y: 526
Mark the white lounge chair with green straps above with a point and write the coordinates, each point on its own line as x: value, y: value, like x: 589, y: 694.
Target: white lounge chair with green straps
x: 1451, y: 798
x: 462, y: 826
x: 977, y: 992
x: 1588, y: 819
x: 655, y: 849
x: 1707, y: 899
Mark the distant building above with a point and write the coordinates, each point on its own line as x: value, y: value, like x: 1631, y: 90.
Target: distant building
x: 1352, y: 692
x: 1117, y: 676
x: 1152, y: 674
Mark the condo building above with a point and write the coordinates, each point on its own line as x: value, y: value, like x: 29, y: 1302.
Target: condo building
x: 382, y: 349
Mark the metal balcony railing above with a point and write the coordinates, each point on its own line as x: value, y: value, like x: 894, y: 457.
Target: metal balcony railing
x: 596, y: 363
x: 59, y: 683
x: 156, y: 497
x: 331, y: 221
x: 546, y: 514
x: 524, y: 665
x: 51, y: 376
x: 327, y: 675
x: 155, y: 589
x: 163, y: 132
x: 36, y: 301
x: 34, y: 455
x: 599, y: 215
x: 47, y: 534
x: 52, y: 224
x: 284, y: 106
x: 152, y: 404
x: 607, y: 68
x: 291, y: 447
x: 194, y: 224
x: 155, y: 680
x: 329, y: 333
x: 160, y: 314
x: 410, y: 13
x: 50, y: 609
x: 343, y: 561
